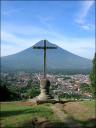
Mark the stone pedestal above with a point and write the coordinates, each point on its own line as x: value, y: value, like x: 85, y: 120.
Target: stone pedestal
x: 44, y: 87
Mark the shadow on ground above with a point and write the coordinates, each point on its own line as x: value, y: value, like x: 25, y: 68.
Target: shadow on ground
x: 70, y: 122
x: 46, y: 124
x: 25, y: 111
x: 19, y: 112
x: 54, y: 101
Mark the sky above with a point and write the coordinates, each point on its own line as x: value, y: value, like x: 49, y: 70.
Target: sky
x: 69, y: 24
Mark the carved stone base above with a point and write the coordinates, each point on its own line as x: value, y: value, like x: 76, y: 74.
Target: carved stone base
x: 44, y: 87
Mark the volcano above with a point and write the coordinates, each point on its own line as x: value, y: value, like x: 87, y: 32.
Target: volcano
x: 58, y: 60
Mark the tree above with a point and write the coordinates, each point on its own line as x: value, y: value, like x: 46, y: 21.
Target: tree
x: 6, y: 94
x: 93, y: 77
x: 33, y: 92
x: 85, y: 88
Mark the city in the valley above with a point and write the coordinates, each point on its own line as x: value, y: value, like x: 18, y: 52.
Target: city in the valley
x: 75, y: 86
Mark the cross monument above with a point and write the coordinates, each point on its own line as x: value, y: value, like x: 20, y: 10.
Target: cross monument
x: 45, y: 47
x: 44, y: 83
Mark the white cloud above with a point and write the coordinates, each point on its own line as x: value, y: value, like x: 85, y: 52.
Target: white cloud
x: 82, y: 15
x: 11, y: 38
x: 13, y: 41
x: 88, y: 27
x: 85, y: 10
x: 9, y: 49
x: 11, y: 44
x: 23, y: 30
x: 74, y: 45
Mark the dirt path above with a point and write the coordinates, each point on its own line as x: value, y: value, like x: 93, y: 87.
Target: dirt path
x: 58, y: 110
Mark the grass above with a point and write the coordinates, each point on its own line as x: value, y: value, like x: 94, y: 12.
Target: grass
x: 82, y: 110
x: 14, y: 114
x: 90, y: 104
x: 21, y: 114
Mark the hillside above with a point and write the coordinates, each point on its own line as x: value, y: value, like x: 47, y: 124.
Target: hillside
x: 57, y: 60
x: 68, y: 115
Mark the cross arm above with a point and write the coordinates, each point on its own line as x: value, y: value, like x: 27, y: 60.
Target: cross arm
x: 37, y: 47
x: 51, y: 47
x: 40, y: 47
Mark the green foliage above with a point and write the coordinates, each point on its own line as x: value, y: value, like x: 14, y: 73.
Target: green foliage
x: 93, y: 77
x: 33, y: 92
x: 7, y: 94
x: 85, y: 88
x: 29, y: 83
x: 70, y: 95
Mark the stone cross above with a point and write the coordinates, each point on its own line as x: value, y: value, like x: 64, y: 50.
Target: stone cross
x: 45, y: 47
